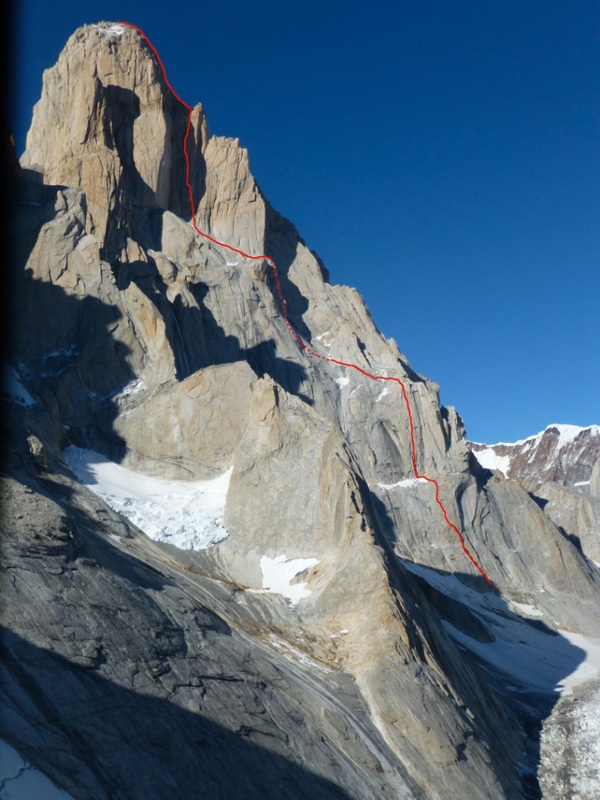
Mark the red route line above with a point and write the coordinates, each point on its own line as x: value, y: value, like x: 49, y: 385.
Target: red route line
x: 291, y: 329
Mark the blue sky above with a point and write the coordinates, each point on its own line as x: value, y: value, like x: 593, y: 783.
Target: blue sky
x: 443, y: 157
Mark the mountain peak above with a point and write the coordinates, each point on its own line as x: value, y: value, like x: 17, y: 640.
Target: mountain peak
x: 108, y: 125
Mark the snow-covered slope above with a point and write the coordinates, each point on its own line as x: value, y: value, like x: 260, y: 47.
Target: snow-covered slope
x: 20, y: 781
x: 532, y: 655
x: 552, y: 676
x: 188, y: 515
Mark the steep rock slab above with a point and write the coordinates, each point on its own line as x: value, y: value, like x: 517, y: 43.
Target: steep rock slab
x: 576, y: 513
x: 527, y: 557
x: 191, y: 428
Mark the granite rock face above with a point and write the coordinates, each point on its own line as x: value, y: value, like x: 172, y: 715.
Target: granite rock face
x: 138, y: 338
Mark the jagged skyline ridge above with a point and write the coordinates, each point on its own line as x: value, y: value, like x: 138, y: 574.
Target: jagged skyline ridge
x: 449, y: 236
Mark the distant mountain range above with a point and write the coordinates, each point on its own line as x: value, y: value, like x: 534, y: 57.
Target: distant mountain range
x: 564, y: 454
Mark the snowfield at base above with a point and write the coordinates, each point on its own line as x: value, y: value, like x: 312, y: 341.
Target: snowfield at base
x: 589, y: 669
x: 20, y: 781
x: 188, y: 515
x: 278, y: 573
x: 542, y: 661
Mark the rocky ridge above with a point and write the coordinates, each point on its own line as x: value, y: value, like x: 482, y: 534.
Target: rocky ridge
x: 137, y: 338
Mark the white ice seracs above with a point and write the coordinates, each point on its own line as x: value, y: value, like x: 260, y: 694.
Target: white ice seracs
x: 570, y: 750
x: 188, y: 515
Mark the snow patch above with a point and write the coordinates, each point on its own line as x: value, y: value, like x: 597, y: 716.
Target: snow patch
x: 405, y: 484
x: 383, y: 393
x: 589, y: 669
x: 12, y: 386
x: 133, y: 388
x: 188, y: 515
x: 525, y: 609
x: 582, y: 483
x: 343, y: 632
x: 278, y: 573
x: 20, y: 781
x: 114, y: 31
x: 490, y: 460
x: 341, y: 382
x: 63, y: 351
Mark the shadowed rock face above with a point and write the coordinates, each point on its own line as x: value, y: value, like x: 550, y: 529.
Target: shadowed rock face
x: 142, y: 340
